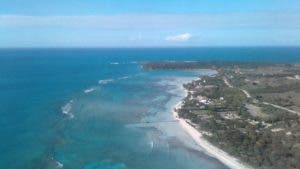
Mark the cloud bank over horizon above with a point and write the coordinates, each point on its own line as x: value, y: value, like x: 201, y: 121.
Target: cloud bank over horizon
x: 258, y: 24
x: 150, y: 21
x: 179, y: 38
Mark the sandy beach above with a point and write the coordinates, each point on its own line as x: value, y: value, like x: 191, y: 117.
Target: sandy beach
x: 210, y: 149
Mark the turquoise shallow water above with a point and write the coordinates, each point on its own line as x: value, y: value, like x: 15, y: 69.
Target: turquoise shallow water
x: 83, y: 108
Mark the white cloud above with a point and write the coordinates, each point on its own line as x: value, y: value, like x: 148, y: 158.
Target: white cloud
x: 289, y: 20
x: 179, y: 38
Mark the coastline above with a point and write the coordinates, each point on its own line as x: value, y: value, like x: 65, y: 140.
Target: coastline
x: 209, y: 148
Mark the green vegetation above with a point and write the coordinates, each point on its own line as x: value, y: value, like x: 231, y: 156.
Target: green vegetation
x: 263, y: 135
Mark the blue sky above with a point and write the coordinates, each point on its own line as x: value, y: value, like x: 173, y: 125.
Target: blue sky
x: 135, y: 23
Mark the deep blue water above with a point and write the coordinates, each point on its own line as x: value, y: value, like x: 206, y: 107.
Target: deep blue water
x: 54, y: 110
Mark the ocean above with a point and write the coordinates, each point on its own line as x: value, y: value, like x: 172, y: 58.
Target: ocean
x: 97, y: 109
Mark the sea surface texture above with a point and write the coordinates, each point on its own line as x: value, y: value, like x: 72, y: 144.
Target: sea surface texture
x: 97, y: 109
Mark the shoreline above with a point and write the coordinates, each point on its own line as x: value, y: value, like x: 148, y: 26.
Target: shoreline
x: 209, y: 148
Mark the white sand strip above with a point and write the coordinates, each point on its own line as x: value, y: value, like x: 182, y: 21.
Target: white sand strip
x: 219, y: 154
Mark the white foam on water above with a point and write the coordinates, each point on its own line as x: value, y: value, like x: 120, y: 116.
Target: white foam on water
x: 66, y: 109
x: 89, y: 90
x: 59, y: 164
x: 114, y: 63
x: 124, y: 77
x: 105, y: 81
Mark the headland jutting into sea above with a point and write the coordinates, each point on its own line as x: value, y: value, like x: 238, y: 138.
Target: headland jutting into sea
x: 245, y: 115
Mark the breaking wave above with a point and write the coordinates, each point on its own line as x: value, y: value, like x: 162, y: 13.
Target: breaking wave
x: 66, y: 109
x: 106, y: 81
x: 59, y: 164
x: 124, y: 77
x: 89, y: 90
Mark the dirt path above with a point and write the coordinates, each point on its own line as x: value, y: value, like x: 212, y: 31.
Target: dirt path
x: 265, y: 103
x: 227, y: 83
x: 246, y: 93
x: 282, y: 108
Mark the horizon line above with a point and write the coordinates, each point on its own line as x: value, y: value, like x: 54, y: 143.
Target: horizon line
x: 141, y: 47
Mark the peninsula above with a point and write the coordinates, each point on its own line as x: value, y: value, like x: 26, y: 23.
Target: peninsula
x: 249, y: 110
